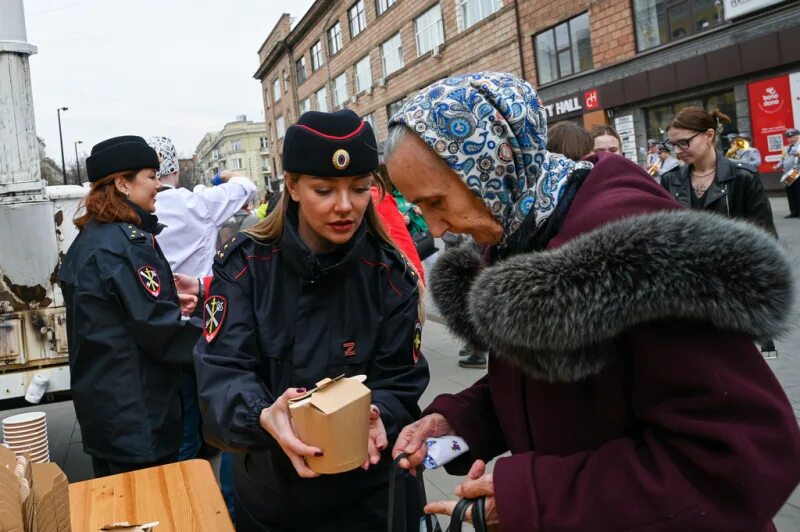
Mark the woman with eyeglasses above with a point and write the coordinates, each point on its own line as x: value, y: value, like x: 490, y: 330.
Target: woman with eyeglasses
x: 709, y: 181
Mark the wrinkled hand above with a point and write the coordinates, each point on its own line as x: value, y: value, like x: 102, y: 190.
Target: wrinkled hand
x: 188, y: 303
x: 477, y: 484
x: 278, y: 423
x: 376, y: 441
x: 225, y: 175
x: 412, y: 439
x: 186, y: 284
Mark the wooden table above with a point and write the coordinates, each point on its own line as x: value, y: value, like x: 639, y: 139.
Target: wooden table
x: 183, y: 497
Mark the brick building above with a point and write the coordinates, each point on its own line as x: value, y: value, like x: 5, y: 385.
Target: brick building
x: 628, y: 63
x: 638, y: 62
x: 369, y: 55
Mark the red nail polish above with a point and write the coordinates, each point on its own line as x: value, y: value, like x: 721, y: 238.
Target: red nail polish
x: 301, y: 390
x: 319, y: 453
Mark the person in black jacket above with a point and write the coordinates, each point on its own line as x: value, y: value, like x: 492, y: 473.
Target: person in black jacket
x: 124, y: 316
x: 315, y: 290
x: 709, y: 181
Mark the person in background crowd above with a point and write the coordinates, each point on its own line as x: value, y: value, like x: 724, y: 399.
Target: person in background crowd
x: 570, y: 139
x: 652, y: 155
x: 191, y: 223
x: 416, y: 225
x: 742, y: 149
x: 315, y: 290
x: 263, y: 209
x: 622, y: 375
x: 708, y: 180
x: 666, y: 161
x: 790, y: 165
x: 606, y: 139
x: 124, y: 316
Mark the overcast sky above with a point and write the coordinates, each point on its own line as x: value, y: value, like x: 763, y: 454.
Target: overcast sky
x: 178, y: 68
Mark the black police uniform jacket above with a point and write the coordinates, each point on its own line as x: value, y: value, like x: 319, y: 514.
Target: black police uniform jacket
x: 123, y: 320
x: 276, y: 317
x: 736, y: 192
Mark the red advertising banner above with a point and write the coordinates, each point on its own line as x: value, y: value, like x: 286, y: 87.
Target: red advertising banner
x: 770, y: 115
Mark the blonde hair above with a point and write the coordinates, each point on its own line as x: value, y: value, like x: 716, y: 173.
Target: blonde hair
x: 271, y: 228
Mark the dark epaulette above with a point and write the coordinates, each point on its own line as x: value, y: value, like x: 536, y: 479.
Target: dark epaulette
x: 133, y: 233
x: 228, y: 248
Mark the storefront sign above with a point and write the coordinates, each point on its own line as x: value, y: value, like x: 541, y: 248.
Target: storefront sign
x: 626, y: 132
x: 771, y: 114
x: 591, y: 100
x: 564, y: 108
x: 737, y: 8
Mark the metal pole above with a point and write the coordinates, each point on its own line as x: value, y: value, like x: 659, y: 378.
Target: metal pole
x: 61, y: 139
x: 78, y: 161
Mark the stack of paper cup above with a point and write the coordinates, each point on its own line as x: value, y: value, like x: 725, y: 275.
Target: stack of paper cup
x: 28, y: 432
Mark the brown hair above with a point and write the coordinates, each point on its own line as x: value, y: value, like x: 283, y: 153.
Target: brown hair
x: 105, y: 204
x: 697, y: 119
x: 570, y: 140
x: 270, y: 228
x: 599, y: 131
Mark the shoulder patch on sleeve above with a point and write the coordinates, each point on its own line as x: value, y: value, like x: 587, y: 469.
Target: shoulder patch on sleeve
x: 133, y: 233
x: 227, y: 249
x: 214, y: 310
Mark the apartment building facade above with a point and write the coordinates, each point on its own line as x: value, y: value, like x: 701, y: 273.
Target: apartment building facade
x: 631, y: 64
x: 370, y: 55
x: 240, y: 145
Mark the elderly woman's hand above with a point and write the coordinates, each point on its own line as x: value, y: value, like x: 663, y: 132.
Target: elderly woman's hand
x: 188, y: 304
x: 412, y: 439
x: 478, y: 484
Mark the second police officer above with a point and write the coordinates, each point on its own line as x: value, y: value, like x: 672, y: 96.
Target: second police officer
x: 315, y: 290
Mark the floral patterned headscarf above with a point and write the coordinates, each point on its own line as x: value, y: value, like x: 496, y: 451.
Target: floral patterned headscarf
x: 490, y: 128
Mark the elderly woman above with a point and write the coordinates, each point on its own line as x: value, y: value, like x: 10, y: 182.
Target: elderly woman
x: 623, y: 377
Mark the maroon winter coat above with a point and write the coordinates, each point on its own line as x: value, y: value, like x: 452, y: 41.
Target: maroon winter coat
x: 676, y: 422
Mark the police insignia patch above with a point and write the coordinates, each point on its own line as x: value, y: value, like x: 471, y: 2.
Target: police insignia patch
x: 148, y: 276
x: 341, y: 159
x: 417, y: 347
x: 214, y: 311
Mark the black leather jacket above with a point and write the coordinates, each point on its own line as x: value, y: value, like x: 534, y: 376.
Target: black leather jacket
x: 737, y: 192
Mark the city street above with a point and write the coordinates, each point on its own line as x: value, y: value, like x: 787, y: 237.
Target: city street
x: 446, y: 377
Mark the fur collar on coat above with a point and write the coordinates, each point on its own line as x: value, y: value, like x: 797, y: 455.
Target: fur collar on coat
x: 555, y: 313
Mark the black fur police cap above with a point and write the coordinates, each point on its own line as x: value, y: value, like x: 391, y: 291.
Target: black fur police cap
x: 336, y: 144
x: 119, y: 154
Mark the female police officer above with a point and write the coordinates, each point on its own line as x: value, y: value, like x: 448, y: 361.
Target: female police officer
x: 123, y: 316
x: 315, y: 290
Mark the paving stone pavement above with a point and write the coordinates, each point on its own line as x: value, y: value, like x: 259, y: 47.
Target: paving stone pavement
x: 441, y: 350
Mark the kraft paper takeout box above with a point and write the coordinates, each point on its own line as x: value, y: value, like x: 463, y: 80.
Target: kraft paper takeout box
x: 334, y: 416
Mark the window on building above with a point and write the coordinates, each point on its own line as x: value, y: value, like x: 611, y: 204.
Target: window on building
x: 265, y: 164
x: 214, y: 154
x: 276, y: 90
x: 334, y: 39
x: 221, y: 166
x: 300, y: 66
x: 370, y: 119
x: 661, y: 21
x: 394, y: 107
x: 236, y: 145
x: 363, y: 74
x: 264, y: 144
x: 236, y: 164
x: 358, y: 18
x: 564, y: 50
x: 304, y: 106
x: 658, y: 118
x: 280, y: 126
x: 382, y: 5
x: 473, y: 11
x: 340, y: 89
x: 392, y: 55
x: 322, y: 100
x: 317, y: 59
x: 429, y: 30
x: 285, y: 81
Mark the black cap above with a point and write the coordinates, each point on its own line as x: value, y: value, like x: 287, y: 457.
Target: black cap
x: 792, y: 131
x: 119, y: 154
x: 744, y: 135
x: 336, y: 144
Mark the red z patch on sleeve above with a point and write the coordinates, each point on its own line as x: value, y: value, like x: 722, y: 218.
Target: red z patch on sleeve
x: 148, y: 276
